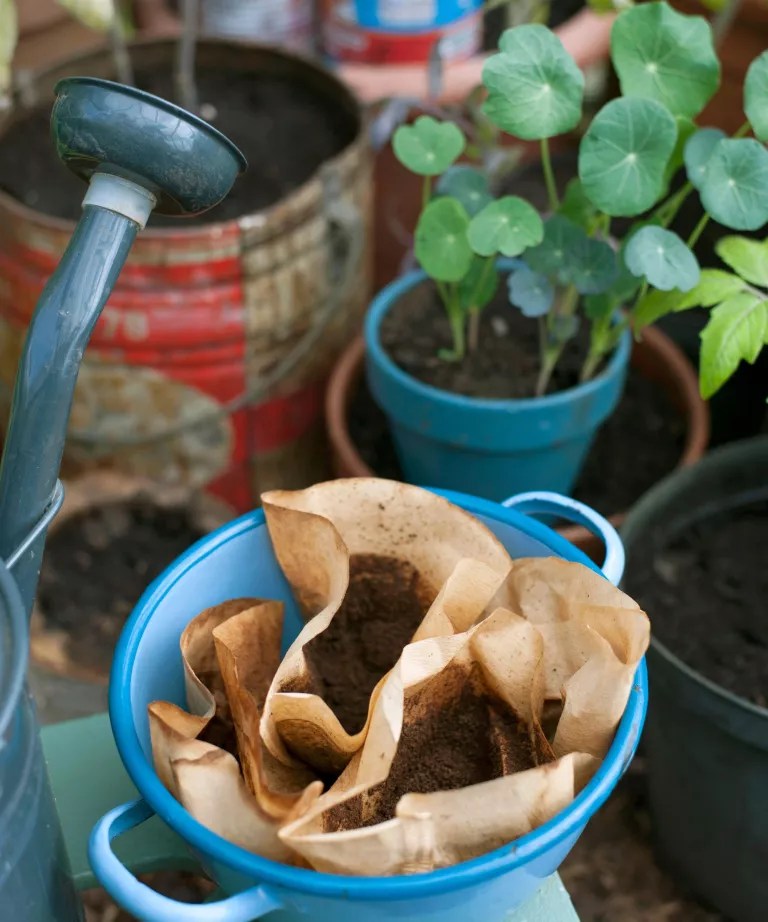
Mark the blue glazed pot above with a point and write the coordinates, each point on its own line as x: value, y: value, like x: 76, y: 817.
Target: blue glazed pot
x: 238, y: 561
x: 489, y: 448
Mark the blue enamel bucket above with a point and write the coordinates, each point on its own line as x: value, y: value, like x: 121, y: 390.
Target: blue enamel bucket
x: 236, y: 561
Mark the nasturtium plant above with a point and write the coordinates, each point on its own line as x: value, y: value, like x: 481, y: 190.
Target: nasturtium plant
x: 641, y: 158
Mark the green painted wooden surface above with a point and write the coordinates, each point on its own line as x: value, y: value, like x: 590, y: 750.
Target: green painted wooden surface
x: 88, y: 780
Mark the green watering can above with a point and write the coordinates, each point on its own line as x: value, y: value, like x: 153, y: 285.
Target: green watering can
x: 139, y: 154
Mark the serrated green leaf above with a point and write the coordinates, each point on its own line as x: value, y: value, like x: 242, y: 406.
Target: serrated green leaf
x: 535, y: 89
x: 479, y: 285
x: 95, y: 14
x: 576, y: 206
x: 666, y: 56
x: 747, y: 257
x: 508, y: 226
x: 428, y: 147
x: 698, y: 151
x: 736, y: 331
x: 735, y: 186
x: 714, y: 287
x: 531, y: 292
x: 756, y: 96
x: 562, y: 238
x: 441, y: 244
x: 9, y: 34
x: 662, y: 259
x: 467, y: 185
x: 624, y: 154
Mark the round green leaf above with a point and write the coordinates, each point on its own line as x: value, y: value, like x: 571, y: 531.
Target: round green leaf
x: 428, y: 147
x: 535, y: 89
x: 508, y: 226
x: 735, y: 186
x: 554, y: 255
x: 468, y: 185
x: 441, y: 245
x: 593, y: 266
x: 662, y: 258
x: 667, y: 56
x: 623, y: 155
x: 531, y: 292
x: 756, y: 96
x: 698, y: 150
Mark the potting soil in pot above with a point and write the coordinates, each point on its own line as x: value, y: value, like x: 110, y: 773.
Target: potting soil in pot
x: 284, y: 128
x: 438, y: 724
x: 638, y: 445
x: 707, y: 586
x: 96, y: 566
x: 505, y: 366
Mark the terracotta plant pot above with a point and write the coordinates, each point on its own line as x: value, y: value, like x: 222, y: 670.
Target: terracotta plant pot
x: 656, y: 357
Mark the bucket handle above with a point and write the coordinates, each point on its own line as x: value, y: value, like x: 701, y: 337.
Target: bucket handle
x: 545, y: 503
x: 142, y: 902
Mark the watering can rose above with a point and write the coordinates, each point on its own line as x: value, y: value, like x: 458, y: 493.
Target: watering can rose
x: 414, y: 697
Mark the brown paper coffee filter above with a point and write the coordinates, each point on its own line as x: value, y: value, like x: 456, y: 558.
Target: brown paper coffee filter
x: 170, y: 727
x: 427, y: 791
x: 211, y: 788
x: 368, y: 558
x: 236, y: 648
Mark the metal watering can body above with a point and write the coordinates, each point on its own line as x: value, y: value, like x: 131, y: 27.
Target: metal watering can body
x: 139, y: 153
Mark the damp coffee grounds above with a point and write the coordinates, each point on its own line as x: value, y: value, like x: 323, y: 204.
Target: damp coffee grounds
x: 385, y: 603
x: 455, y: 734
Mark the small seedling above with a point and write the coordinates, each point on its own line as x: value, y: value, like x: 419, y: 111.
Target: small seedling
x: 571, y: 266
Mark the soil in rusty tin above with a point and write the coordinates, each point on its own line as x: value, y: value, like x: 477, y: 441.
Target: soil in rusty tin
x: 636, y: 447
x: 384, y: 605
x: 706, y: 587
x: 97, y: 565
x: 284, y: 129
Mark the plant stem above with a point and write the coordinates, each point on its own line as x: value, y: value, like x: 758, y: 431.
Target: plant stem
x: 590, y: 365
x: 549, y: 176
x: 665, y: 213
x: 426, y: 191
x: 473, y: 329
x: 456, y: 320
x: 120, y: 55
x: 743, y: 131
x: 186, y: 87
x: 698, y: 230
x: 551, y: 358
x: 723, y: 21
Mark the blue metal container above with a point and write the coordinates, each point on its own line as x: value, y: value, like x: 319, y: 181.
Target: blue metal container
x: 35, y: 884
x: 238, y: 561
x: 412, y: 15
x: 489, y: 448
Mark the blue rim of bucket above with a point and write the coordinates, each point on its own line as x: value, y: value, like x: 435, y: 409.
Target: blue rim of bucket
x: 523, y: 850
x: 384, y: 300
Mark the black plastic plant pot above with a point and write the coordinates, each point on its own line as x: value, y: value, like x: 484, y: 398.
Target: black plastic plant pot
x: 707, y: 748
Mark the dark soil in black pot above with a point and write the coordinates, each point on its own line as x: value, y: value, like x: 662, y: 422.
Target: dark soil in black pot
x: 96, y: 566
x: 707, y: 589
x: 285, y: 131
x: 637, y: 446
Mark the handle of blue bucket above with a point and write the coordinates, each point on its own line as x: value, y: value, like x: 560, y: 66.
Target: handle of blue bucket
x: 142, y: 902
x: 571, y: 510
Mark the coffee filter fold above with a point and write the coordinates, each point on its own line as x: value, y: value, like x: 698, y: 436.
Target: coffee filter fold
x: 330, y: 540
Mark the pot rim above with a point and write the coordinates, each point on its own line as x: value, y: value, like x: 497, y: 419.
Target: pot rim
x: 567, y: 822
x: 200, y: 224
x: 388, y: 297
x: 655, y: 498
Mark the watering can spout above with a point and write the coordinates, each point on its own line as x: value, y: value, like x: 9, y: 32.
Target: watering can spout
x: 138, y: 153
